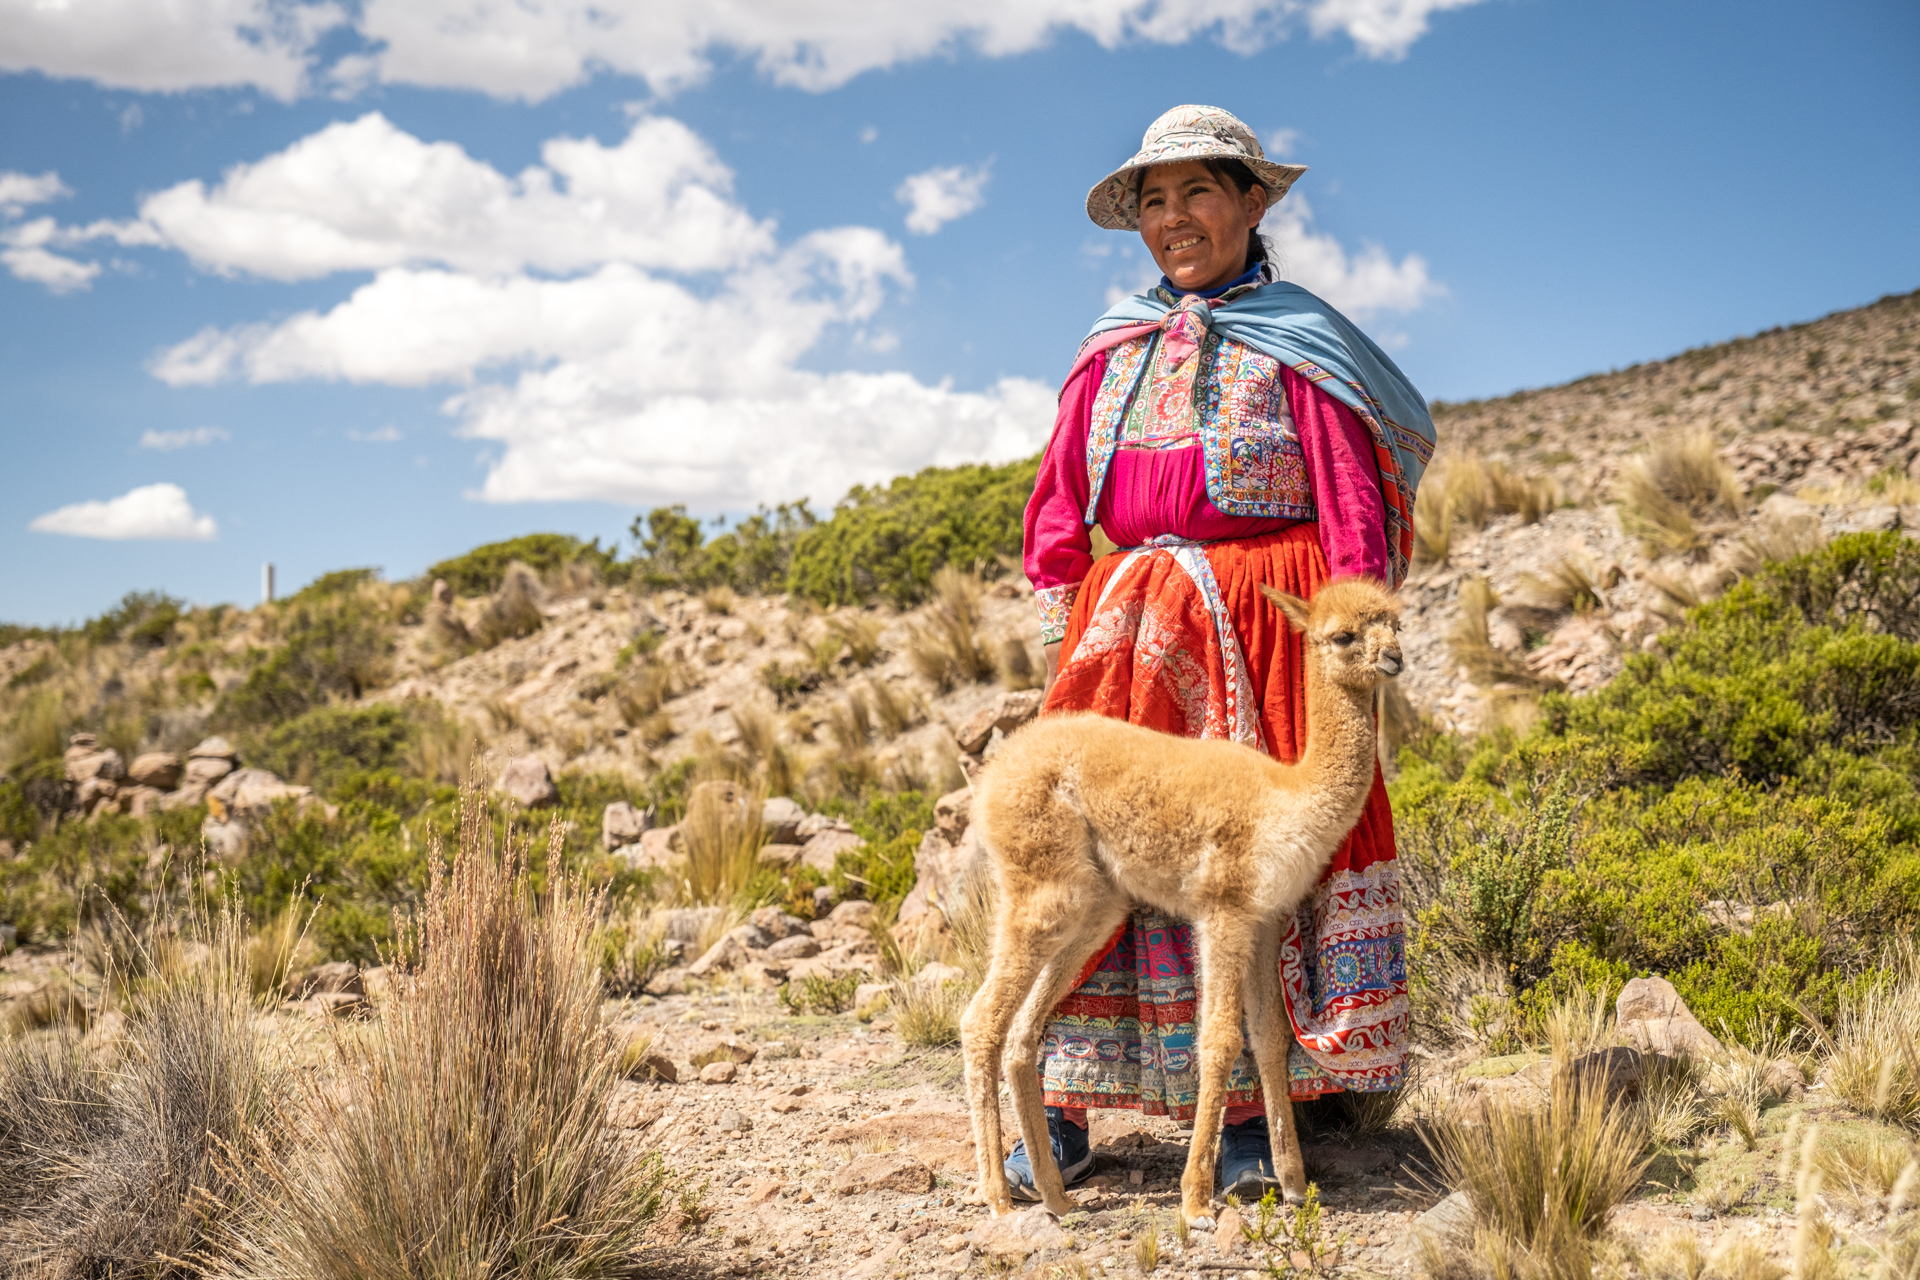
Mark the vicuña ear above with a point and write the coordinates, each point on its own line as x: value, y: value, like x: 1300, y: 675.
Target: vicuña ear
x: 1293, y: 606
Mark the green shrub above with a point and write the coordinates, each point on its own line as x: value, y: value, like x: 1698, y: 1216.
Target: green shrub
x: 335, y: 647
x: 892, y: 824
x: 888, y: 542
x: 326, y: 744
x: 481, y: 571
x: 752, y: 557
x: 339, y: 582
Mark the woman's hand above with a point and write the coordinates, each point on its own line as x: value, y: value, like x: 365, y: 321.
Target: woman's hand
x: 1052, y: 652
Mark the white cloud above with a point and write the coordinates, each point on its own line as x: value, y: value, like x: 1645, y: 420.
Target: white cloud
x: 1383, y: 29
x: 379, y: 435
x: 363, y: 195
x: 938, y: 196
x: 181, y: 44
x: 532, y: 49
x: 24, y: 251
x: 1363, y: 284
x: 18, y: 190
x: 182, y: 438
x: 152, y: 511
x: 1281, y: 142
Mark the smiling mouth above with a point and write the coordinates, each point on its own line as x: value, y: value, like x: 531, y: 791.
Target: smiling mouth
x: 1188, y: 243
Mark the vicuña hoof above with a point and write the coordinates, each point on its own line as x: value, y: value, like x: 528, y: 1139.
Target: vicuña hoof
x: 1201, y: 1222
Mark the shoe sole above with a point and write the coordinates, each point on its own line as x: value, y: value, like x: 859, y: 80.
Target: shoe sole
x: 1069, y: 1175
x: 1252, y: 1185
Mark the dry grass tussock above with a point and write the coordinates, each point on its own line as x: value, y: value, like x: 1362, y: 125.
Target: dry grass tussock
x: 1468, y: 490
x: 512, y: 611
x: 1470, y: 643
x: 1875, y: 1048
x: 131, y: 1164
x: 928, y: 1013
x: 1680, y: 1256
x: 1678, y: 495
x: 945, y: 649
x: 1540, y: 1181
x: 721, y: 838
x: 462, y: 1137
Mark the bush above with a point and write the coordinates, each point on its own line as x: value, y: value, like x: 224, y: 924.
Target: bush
x: 888, y: 542
x: 752, y: 558
x: 322, y: 747
x: 144, y: 619
x: 482, y: 570
x: 336, y: 647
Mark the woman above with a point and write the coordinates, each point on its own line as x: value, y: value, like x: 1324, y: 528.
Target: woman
x: 1225, y: 429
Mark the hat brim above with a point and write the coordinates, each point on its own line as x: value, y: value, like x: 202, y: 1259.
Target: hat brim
x: 1112, y: 203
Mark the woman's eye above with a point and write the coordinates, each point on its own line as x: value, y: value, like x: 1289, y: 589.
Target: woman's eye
x: 1344, y: 639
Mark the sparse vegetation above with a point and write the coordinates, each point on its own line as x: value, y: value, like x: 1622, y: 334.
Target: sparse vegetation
x: 1677, y: 493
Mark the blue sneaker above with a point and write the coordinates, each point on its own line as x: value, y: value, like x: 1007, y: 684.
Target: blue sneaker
x: 1246, y: 1160
x: 1071, y: 1151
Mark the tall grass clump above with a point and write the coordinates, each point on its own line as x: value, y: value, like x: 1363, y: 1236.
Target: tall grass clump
x: 1675, y: 496
x: 1466, y: 490
x: 514, y: 610
x: 947, y: 650
x: 1876, y: 1044
x: 1542, y: 1181
x: 721, y: 836
x: 137, y: 1168
x: 462, y: 1138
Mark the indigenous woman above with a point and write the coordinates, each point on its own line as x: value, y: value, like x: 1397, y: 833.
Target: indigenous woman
x: 1225, y: 429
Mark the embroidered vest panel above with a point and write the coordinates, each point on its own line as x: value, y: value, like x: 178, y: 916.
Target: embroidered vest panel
x: 1255, y: 466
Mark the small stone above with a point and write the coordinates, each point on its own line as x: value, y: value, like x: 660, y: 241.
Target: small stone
x: 726, y: 1050
x: 782, y: 818
x: 1136, y: 1177
x: 953, y: 1243
x: 660, y: 1067
x: 857, y: 913
x: 798, y: 947
x: 1018, y: 1234
x: 732, y: 1121
x: 159, y: 769
x: 883, y: 1171
x: 784, y: 1106
x: 528, y: 781
x: 777, y: 924
x: 718, y: 1073
x: 1652, y: 1014
x: 1227, y: 1230
x: 215, y: 748
x: 621, y: 824
x: 761, y: 1190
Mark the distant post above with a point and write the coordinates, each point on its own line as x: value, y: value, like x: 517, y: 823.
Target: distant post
x: 266, y: 583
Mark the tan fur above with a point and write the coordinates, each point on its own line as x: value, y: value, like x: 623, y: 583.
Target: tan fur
x: 1082, y: 816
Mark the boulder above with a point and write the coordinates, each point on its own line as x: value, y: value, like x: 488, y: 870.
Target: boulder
x: 686, y: 924
x: 529, y: 783
x: 1652, y: 1015
x: 203, y: 771
x: 820, y: 851
x: 157, y: 769
x: 778, y: 924
x: 252, y: 791
x: 1616, y: 1072
x: 938, y: 975
x: 96, y: 794
x: 894, y: 1171
x: 226, y: 841
x: 140, y: 802
x: 655, y: 849
x: 1018, y: 1234
x: 781, y: 819
x: 815, y: 823
x: 336, y: 977
x: 721, y: 956
x: 85, y: 764
x: 621, y: 824
x: 1006, y: 713
x: 718, y: 1073
x: 751, y: 936
x: 858, y: 914
x: 215, y: 748
x: 1446, y: 1227
x: 726, y: 1049
x: 783, y: 856
x: 798, y: 947
x: 951, y: 814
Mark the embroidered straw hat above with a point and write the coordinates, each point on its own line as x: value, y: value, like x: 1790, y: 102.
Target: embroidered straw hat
x: 1185, y: 133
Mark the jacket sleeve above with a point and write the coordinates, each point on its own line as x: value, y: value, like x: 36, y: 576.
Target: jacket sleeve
x: 1059, y: 548
x: 1345, y: 476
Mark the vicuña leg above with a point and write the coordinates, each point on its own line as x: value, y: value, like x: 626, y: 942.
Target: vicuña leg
x: 983, y: 1031
x: 1224, y: 945
x: 1022, y: 1055
x: 1271, y: 1033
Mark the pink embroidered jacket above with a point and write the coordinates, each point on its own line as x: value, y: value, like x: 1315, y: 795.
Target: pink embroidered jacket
x: 1159, y: 487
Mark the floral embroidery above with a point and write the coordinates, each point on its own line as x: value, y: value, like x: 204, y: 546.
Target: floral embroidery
x: 1126, y: 361
x: 1055, y: 605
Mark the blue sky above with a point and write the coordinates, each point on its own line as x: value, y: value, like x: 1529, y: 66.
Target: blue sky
x: 376, y: 282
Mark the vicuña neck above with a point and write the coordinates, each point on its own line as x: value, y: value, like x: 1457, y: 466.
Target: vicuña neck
x: 1338, y: 763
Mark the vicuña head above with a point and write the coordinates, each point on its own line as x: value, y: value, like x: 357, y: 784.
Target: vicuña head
x: 1352, y: 627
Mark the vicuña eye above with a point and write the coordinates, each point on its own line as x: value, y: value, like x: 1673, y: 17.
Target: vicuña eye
x: 1344, y: 639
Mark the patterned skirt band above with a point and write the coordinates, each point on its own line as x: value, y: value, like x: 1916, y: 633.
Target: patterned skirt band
x: 1176, y: 636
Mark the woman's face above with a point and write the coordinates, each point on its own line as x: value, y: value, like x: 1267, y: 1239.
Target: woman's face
x: 1195, y: 225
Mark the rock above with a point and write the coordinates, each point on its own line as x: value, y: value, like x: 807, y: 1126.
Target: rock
x: 1652, y: 1015
x: 722, y: 955
x: 1447, y: 1226
x: 732, y: 1121
x: 157, y: 769
x: 203, y: 771
x: 781, y: 818
x: 140, y: 802
x: 248, y: 792
x: 529, y: 783
x: 816, y: 823
x: 332, y: 978
x: 376, y: 982
x: 894, y: 1171
x: 1113, y: 1130
x: 655, y: 848
x: 798, y: 947
x: 751, y: 936
x: 777, y: 924
x: 727, y: 1049
x: 823, y: 899
x: 820, y: 851
x: 1228, y: 1233
x: 83, y: 742
x: 621, y: 824
x: 336, y: 1004
x: 975, y: 731
x: 1783, y: 1079
x: 1018, y: 1234
x: 857, y: 913
x: 783, y: 856
x: 660, y: 1067
x: 226, y: 841
x: 952, y: 812
x: 87, y: 763
x: 95, y: 794
x: 442, y: 594
x: 1616, y: 1071
x: 718, y: 1073
x: 871, y: 993
x: 215, y: 748
x: 686, y: 924
x: 784, y: 1106
x: 938, y: 975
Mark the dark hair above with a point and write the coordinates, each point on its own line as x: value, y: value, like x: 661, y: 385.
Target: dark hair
x: 1241, y: 179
